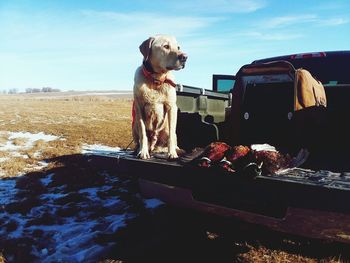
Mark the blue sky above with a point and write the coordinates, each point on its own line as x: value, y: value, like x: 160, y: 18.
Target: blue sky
x: 93, y: 45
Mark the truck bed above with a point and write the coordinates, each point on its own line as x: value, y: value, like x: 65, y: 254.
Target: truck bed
x: 299, y: 201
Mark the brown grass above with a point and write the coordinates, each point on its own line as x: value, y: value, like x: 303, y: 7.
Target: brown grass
x: 3, y: 154
x: 19, y: 141
x: 76, y: 120
x: 79, y: 121
x: 16, y: 165
x: 3, y: 138
x: 261, y: 254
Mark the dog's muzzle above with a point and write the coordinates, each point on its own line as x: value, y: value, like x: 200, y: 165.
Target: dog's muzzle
x: 179, y: 63
x: 182, y: 58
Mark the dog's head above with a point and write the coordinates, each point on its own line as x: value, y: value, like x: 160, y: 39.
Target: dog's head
x: 163, y: 53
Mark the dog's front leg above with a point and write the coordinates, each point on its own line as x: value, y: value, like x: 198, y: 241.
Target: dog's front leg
x: 172, y: 142
x: 143, y: 140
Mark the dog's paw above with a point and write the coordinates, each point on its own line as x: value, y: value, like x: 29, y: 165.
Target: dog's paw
x: 144, y: 154
x: 173, y: 155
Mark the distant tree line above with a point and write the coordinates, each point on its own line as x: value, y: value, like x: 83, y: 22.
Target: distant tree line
x: 31, y: 90
x: 10, y: 91
x: 44, y: 89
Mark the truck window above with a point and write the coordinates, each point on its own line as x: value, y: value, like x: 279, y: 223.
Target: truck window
x: 223, y: 83
x: 328, y: 67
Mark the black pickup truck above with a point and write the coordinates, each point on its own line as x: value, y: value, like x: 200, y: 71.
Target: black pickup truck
x: 257, y: 106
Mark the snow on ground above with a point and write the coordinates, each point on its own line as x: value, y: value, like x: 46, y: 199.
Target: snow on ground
x: 59, y: 224
x: 65, y: 214
x: 98, y: 148
x: 3, y: 159
x: 29, y: 140
x: 13, y: 144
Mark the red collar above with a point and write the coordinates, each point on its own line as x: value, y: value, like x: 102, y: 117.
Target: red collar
x: 157, y: 82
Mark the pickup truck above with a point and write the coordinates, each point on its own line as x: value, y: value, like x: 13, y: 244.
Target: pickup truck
x: 257, y: 106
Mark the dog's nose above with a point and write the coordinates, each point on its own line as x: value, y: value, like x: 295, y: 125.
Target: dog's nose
x: 183, y: 57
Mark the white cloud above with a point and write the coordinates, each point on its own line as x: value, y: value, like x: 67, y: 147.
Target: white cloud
x: 139, y: 23
x: 90, y: 29
x: 220, y: 6
x: 247, y: 6
x: 333, y: 21
x: 289, y: 27
x: 292, y: 20
x: 288, y: 20
x: 273, y: 36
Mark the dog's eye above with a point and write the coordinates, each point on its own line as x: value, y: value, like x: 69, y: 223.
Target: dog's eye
x: 178, y: 48
x: 166, y: 46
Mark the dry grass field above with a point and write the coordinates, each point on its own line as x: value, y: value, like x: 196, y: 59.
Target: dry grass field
x: 166, y: 235
x: 77, y: 120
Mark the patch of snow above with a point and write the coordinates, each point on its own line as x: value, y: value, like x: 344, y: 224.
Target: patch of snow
x: 92, y: 191
x: 48, y: 179
x: 7, y: 190
x: 19, y: 155
x: 37, y: 155
x: 43, y: 164
x: 44, y: 251
x: 153, y: 203
x: 117, y: 221
x: 34, y: 167
x: 31, y: 138
x: 98, y: 148
x: 21, y: 221
x: 3, y: 159
x: 15, y: 151
x: 73, y: 241
x: 52, y: 196
x: 69, y: 237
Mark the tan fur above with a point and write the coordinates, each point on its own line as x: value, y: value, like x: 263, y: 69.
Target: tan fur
x: 155, y: 105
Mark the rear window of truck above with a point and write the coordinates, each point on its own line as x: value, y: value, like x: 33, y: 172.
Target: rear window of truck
x: 327, y: 67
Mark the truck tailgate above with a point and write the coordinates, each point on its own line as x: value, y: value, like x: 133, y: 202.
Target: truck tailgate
x: 298, y: 201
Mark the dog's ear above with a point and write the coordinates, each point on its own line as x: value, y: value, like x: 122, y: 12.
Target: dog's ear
x: 145, y: 48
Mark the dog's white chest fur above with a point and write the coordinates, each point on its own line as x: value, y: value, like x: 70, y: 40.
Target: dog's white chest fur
x: 155, y: 106
x: 156, y: 95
